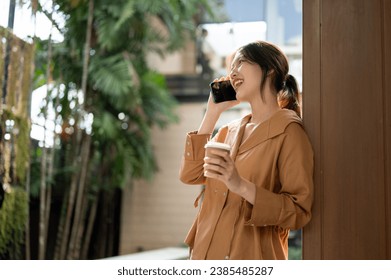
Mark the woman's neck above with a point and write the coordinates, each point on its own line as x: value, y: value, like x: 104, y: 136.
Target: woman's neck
x: 263, y: 110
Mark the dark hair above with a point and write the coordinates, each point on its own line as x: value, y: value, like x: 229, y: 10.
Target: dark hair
x: 289, y: 96
x: 274, y: 63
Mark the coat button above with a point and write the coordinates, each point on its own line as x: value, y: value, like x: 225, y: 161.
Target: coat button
x: 226, y: 257
x: 188, y: 154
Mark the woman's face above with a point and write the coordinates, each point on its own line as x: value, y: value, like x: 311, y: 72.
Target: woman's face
x: 245, y: 77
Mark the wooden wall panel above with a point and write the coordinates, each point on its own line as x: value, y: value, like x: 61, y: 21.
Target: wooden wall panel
x: 351, y: 122
x: 386, y: 17
x: 347, y: 115
x: 311, y: 118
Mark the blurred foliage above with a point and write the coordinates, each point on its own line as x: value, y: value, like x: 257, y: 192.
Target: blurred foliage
x: 124, y: 97
x: 16, y: 64
x: 294, y: 253
x: 294, y: 243
x: 14, y: 116
x: 13, y: 218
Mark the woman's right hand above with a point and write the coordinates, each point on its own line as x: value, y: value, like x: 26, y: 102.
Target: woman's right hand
x: 213, y: 112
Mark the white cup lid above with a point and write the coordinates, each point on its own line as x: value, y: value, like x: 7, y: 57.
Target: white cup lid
x: 218, y: 145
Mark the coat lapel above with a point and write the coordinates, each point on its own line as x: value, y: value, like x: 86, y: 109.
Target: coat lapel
x: 266, y: 130
x: 239, y: 136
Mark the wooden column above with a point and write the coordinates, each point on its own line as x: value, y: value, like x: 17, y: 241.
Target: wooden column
x: 347, y: 114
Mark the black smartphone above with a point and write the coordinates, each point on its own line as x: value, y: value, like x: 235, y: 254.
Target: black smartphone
x: 222, y: 91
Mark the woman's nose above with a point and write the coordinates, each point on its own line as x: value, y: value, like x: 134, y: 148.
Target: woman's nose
x: 232, y: 73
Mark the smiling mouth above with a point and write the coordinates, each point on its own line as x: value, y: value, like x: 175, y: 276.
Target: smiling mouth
x: 238, y: 83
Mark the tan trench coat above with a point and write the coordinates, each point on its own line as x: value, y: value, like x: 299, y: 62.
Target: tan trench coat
x: 278, y: 158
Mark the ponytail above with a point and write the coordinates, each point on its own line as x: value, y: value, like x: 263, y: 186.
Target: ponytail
x: 289, y: 97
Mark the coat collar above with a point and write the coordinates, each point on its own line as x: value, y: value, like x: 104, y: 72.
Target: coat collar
x: 270, y: 128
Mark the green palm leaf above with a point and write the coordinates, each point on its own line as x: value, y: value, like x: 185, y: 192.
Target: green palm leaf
x: 111, y: 75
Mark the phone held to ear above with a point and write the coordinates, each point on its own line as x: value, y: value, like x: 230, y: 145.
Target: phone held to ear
x: 222, y: 91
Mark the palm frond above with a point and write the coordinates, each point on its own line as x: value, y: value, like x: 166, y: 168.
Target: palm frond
x: 111, y: 75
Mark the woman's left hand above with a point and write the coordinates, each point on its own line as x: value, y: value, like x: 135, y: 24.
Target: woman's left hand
x: 223, y: 168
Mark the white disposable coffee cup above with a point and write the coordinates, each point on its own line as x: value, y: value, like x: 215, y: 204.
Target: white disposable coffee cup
x: 217, y: 145
x: 210, y: 146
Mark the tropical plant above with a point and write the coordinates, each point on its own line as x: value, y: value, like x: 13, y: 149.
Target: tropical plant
x: 107, y: 99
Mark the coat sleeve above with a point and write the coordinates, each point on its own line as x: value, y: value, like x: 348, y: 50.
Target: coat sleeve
x: 192, y: 170
x: 290, y: 207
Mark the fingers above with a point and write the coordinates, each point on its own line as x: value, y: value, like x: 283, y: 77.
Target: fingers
x: 214, y: 163
x: 218, y: 165
x: 221, y: 79
x: 211, y: 170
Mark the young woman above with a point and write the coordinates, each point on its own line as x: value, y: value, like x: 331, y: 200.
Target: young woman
x: 264, y: 188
